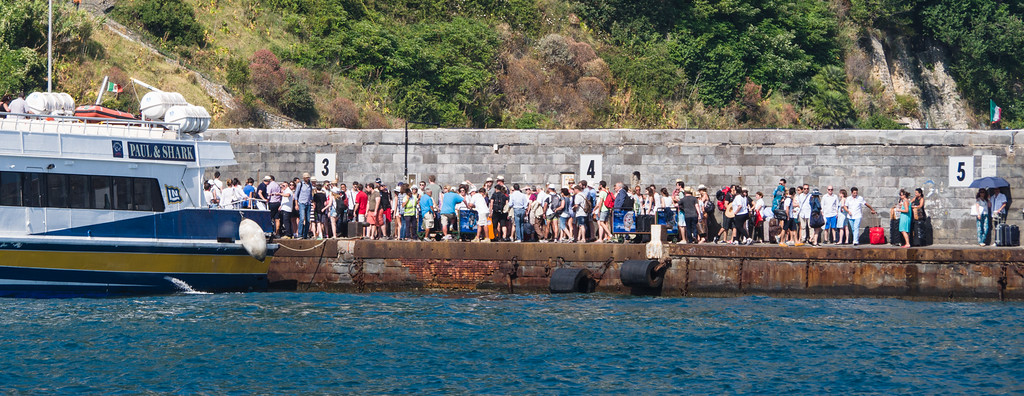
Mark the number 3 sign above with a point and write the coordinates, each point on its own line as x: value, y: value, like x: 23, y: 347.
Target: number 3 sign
x: 323, y: 167
x: 961, y: 171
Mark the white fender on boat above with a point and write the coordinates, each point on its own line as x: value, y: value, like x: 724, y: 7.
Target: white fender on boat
x: 251, y: 236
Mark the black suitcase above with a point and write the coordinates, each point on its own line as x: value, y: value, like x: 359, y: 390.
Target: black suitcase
x: 999, y: 235
x: 1012, y: 236
x: 922, y: 231
x: 895, y: 236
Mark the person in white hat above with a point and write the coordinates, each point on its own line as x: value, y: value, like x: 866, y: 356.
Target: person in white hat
x: 489, y: 187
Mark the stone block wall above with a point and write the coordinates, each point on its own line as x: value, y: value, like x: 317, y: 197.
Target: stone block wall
x: 880, y: 163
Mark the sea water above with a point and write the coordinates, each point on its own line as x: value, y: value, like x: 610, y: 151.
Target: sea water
x: 302, y: 343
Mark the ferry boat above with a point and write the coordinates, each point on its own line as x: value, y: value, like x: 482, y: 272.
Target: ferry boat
x: 109, y: 206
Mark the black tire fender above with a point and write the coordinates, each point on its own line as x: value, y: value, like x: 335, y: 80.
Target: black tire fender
x: 641, y: 273
x: 571, y: 280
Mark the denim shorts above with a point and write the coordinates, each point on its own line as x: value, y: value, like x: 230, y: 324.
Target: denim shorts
x: 581, y: 220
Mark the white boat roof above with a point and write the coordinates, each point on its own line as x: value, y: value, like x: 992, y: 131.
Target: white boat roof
x: 73, y: 137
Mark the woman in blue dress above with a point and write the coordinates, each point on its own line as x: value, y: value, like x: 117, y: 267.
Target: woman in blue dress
x: 904, y: 210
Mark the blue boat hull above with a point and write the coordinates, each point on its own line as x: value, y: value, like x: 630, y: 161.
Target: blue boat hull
x: 91, y: 268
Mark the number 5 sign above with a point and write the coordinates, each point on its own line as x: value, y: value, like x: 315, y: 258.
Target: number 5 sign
x: 323, y: 168
x: 590, y: 169
x: 961, y: 171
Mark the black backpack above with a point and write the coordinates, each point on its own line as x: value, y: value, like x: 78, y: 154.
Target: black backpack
x: 627, y: 203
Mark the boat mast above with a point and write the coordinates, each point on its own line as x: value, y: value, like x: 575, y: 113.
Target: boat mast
x: 49, y: 50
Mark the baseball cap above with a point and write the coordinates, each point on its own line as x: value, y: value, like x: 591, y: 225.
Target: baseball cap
x: 500, y: 177
x: 489, y: 180
x: 266, y: 177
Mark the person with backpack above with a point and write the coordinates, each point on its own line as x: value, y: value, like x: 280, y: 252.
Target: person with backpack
x: 791, y: 225
x: 817, y: 219
x: 607, y: 200
x: 552, y: 204
x: 499, y: 217
x: 724, y: 197
x: 564, y: 212
x: 689, y: 210
x: 580, y: 205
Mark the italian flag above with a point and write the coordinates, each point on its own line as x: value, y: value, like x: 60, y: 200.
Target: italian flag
x: 995, y: 112
x: 111, y: 87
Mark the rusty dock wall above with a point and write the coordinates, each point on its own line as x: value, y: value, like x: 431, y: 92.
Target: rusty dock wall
x: 936, y: 273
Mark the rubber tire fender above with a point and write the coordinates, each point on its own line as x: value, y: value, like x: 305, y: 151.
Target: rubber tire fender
x: 571, y: 280
x: 641, y: 273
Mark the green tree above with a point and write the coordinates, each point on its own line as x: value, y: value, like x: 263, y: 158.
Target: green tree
x: 297, y: 103
x: 829, y: 99
x: 986, y: 39
x: 23, y: 41
x: 173, y: 21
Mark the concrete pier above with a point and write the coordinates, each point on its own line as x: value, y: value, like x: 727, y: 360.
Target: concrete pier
x: 933, y: 273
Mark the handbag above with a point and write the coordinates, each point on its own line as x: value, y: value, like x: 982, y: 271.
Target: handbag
x: 975, y: 210
x: 817, y: 220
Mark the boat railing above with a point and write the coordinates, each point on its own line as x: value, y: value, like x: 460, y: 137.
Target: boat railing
x: 38, y: 123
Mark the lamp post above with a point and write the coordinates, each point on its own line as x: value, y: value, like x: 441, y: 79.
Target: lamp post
x: 49, y: 49
x: 407, y: 142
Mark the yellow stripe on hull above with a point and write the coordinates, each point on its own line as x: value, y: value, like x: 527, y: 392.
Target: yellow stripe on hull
x: 135, y: 262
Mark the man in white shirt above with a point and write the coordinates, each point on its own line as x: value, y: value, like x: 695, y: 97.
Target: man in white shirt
x: 351, y: 194
x: 998, y: 206
x: 479, y: 202
x: 803, y: 201
x: 739, y: 207
x: 830, y: 210
x: 18, y: 106
x: 854, y: 212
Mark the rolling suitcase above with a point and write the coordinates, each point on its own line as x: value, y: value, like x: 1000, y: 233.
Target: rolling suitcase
x: 1010, y: 235
x: 895, y: 237
x: 999, y: 235
x: 877, y: 235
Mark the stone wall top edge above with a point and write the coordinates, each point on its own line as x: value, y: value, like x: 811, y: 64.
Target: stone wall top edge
x: 691, y: 136
x: 1006, y: 132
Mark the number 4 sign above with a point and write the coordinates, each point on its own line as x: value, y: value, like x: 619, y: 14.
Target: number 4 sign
x: 323, y: 167
x: 590, y: 169
x: 961, y: 171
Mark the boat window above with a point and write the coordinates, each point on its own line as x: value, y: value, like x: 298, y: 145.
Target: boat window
x: 122, y: 193
x: 147, y: 195
x: 101, y: 198
x: 34, y: 189
x: 56, y: 191
x: 10, y: 189
x: 78, y: 191
x: 157, y: 196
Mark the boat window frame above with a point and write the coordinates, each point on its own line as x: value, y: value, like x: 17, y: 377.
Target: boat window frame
x: 150, y: 198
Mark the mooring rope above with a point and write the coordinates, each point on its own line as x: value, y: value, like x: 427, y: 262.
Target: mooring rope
x: 302, y: 250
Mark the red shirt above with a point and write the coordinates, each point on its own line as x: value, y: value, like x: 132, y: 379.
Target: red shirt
x: 361, y: 199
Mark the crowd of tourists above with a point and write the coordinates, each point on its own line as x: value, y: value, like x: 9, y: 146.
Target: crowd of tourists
x: 495, y: 211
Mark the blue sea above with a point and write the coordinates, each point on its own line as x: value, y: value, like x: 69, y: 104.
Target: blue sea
x: 327, y: 343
